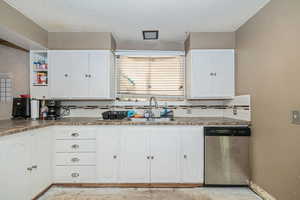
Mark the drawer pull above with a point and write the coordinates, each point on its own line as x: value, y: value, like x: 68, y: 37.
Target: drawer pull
x: 75, y: 134
x: 74, y: 175
x: 75, y: 146
x: 75, y: 159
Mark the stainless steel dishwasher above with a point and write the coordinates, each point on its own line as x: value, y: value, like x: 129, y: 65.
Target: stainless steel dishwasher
x: 227, y: 156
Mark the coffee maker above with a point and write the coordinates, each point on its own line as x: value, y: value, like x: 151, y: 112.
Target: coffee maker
x: 21, y: 108
x: 54, y: 110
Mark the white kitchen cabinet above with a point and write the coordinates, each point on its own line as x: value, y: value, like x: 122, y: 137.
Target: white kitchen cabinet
x: 75, y: 154
x: 210, y: 74
x: 108, y: 154
x: 81, y: 74
x: 135, y: 155
x: 41, y: 159
x: 15, y: 158
x: 26, y: 164
x: 192, y: 154
x: 165, y: 154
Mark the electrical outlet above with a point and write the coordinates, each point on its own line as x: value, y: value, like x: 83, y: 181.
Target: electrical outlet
x: 189, y: 111
x: 296, y: 117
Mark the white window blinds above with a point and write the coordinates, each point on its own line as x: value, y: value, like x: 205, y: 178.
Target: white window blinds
x: 150, y: 76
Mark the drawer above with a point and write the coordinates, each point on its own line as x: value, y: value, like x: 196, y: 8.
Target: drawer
x: 74, y: 132
x: 75, y: 159
x: 75, y: 174
x: 75, y: 146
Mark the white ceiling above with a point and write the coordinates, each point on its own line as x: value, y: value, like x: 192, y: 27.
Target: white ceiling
x: 127, y: 18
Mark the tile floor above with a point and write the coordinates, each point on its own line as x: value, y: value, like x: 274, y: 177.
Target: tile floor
x: 60, y: 193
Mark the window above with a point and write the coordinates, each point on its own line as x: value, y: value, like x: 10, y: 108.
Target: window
x: 141, y: 76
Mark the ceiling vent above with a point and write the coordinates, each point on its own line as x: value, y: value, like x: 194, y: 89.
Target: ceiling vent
x: 150, y: 35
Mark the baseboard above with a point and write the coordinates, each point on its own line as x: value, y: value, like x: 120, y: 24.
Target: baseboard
x: 42, y: 192
x: 130, y: 185
x: 261, y: 192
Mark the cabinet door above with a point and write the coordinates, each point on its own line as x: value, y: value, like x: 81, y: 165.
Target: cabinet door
x: 60, y: 76
x: 201, y: 80
x: 192, y: 154
x: 42, y: 151
x: 79, y: 75
x: 223, y: 73
x: 15, y: 159
x: 108, y: 143
x: 69, y: 74
x: 211, y: 74
x: 164, y: 147
x: 99, y: 71
x: 134, y: 165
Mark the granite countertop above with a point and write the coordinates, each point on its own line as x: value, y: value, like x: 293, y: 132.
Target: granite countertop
x: 9, y: 127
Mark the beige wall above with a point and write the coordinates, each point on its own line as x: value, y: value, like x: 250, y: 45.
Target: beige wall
x: 268, y: 68
x: 80, y: 40
x: 16, y: 62
x: 210, y: 40
x: 14, y: 21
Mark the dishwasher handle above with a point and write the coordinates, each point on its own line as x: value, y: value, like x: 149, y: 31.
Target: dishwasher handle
x: 227, y: 131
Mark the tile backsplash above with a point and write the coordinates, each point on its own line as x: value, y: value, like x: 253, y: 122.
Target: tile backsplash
x: 237, y: 108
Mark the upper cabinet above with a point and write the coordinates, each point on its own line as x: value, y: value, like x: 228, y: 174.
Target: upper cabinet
x: 210, y: 74
x: 81, y: 74
x: 72, y: 74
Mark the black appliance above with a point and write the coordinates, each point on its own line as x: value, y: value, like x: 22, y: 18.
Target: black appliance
x: 54, y: 110
x: 114, y: 115
x: 21, y: 108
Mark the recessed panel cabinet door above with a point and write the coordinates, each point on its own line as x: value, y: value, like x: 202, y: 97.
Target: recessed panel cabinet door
x: 201, y: 79
x: 165, y: 163
x: 60, y: 76
x: 192, y: 154
x: 99, y: 75
x: 223, y: 73
x: 14, y: 161
x: 79, y: 75
x: 135, y: 160
x: 210, y: 74
x: 108, y: 157
x: 42, y: 151
x: 69, y: 74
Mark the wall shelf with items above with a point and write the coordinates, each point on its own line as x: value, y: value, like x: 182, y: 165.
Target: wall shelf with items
x: 39, y: 74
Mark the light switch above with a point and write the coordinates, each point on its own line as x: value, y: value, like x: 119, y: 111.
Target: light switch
x: 296, y: 117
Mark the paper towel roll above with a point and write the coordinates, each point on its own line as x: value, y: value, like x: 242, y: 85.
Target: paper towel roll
x: 35, y: 109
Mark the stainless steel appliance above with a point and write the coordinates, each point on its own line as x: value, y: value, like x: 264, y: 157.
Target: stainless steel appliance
x: 227, y: 156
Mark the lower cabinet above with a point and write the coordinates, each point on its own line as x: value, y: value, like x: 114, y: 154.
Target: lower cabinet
x: 33, y: 160
x: 26, y: 164
x: 150, y: 154
x: 75, y: 154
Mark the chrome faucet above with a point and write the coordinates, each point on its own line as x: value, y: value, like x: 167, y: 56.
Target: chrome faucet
x: 149, y: 113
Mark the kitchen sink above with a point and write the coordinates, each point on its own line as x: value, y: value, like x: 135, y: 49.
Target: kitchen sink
x: 151, y: 120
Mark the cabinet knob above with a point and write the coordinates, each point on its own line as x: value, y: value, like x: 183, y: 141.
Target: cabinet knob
x: 148, y: 157
x: 75, y: 146
x: 90, y: 76
x: 34, y: 167
x: 75, y: 159
x: 75, y: 134
x: 66, y: 75
x: 29, y: 169
x: 152, y: 157
x: 115, y: 157
x: 185, y: 156
x: 74, y: 175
